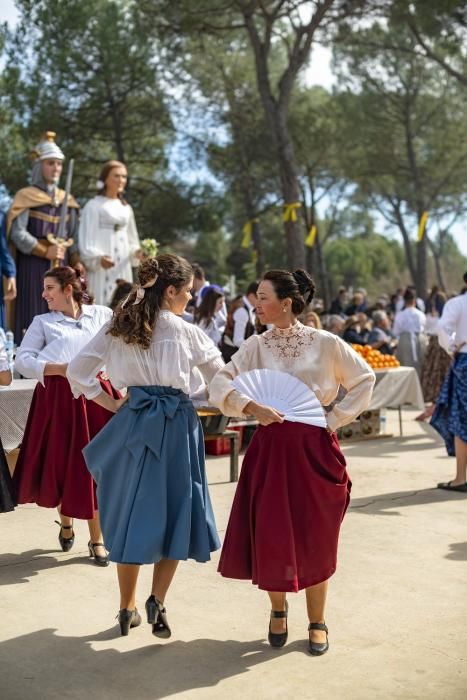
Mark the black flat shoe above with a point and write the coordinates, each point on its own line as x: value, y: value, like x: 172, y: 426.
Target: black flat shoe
x: 449, y: 486
x: 278, y: 639
x: 66, y: 543
x: 98, y: 559
x: 128, y: 618
x: 318, y: 648
x: 157, y: 617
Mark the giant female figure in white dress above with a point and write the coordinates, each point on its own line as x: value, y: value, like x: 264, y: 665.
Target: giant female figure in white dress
x: 108, y: 238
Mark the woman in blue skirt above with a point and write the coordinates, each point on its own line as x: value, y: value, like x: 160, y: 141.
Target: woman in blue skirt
x: 450, y: 415
x: 148, y: 461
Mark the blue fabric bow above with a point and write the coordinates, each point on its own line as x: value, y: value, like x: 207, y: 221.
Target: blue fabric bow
x: 150, y: 413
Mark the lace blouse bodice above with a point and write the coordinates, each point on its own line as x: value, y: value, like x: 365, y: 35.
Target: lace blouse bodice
x: 321, y: 360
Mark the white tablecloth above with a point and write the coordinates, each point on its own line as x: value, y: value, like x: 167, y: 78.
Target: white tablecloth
x: 15, y: 401
x: 397, y: 387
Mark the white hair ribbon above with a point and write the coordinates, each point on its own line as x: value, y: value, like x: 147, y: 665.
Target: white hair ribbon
x: 140, y: 292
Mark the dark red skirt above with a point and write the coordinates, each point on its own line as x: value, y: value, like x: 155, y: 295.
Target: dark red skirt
x: 290, y: 501
x: 51, y: 470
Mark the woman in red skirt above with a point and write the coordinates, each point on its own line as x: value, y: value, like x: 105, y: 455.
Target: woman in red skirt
x: 51, y: 470
x: 293, y: 489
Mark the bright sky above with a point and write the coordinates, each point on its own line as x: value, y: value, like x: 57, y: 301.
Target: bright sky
x: 318, y: 73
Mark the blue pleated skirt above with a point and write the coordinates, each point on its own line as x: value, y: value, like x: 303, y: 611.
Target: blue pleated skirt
x: 450, y: 415
x: 148, y: 463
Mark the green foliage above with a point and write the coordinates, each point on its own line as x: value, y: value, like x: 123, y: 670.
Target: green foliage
x: 176, y: 91
x: 371, y: 261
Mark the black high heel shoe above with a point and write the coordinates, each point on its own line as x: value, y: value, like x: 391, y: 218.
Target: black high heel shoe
x: 157, y: 617
x: 98, y: 559
x: 318, y: 648
x: 278, y: 639
x: 66, y: 543
x: 128, y: 618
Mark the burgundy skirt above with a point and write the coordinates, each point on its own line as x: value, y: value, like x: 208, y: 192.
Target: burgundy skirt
x: 51, y: 470
x: 290, y: 501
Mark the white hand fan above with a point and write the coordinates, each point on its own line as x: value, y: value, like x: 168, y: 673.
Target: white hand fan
x: 283, y: 392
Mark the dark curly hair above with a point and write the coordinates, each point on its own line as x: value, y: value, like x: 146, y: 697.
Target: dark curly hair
x: 297, y: 286
x: 135, y: 323
x: 66, y: 275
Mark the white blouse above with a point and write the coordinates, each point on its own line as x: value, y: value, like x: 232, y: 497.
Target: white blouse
x: 452, y: 327
x: 107, y: 228
x: 54, y: 337
x: 410, y: 320
x: 177, y: 349
x: 321, y: 360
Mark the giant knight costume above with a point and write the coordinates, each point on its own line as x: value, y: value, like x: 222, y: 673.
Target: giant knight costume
x: 34, y: 214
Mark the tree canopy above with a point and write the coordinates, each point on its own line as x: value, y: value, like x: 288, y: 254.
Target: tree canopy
x: 210, y: 106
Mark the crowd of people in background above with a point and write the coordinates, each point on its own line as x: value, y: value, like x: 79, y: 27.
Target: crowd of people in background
x: 403, y: 324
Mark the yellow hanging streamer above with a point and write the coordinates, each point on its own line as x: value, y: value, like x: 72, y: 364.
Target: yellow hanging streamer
x: 248, y: 232
x: 422, y: 225
x: 290, y: 211
x: 311, y: 238
x: 254, y: 257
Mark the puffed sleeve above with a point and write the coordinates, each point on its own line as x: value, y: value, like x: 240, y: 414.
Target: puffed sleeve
x: 355, y: 375
x: 83, y: 368
x: 202, y: 348
x: 221, y: 392
x: 88, y: 236
x: 26, y: 361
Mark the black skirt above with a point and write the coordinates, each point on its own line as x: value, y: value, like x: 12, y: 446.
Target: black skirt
x: 7, y: 500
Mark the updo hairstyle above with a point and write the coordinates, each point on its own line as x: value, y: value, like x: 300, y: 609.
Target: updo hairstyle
x: 297, y: 286
x: 70, y: 276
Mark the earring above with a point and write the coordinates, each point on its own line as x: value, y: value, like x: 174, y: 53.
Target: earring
x: 284, y: 309
x: 68, y: 300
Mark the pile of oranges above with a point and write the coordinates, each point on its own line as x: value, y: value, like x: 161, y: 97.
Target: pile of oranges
x: 375, y: 359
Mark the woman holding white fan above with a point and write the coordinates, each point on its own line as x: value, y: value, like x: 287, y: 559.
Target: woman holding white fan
x: 293, y: 490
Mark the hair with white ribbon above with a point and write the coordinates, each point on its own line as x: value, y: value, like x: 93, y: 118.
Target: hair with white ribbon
x: 140, y: 292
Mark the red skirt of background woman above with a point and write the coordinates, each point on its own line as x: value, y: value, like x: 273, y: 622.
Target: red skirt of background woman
x: 290, y: 501
x: 51, y: 469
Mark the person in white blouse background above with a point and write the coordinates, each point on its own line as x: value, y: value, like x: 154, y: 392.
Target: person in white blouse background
x: 108, y: 239
x: 450, y: 415
x: 409, y: 329
x: 294, y: 489
x: 50, y: 470
x: 7, y: 500
x: 206, y: 314
x: 148, y: 461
